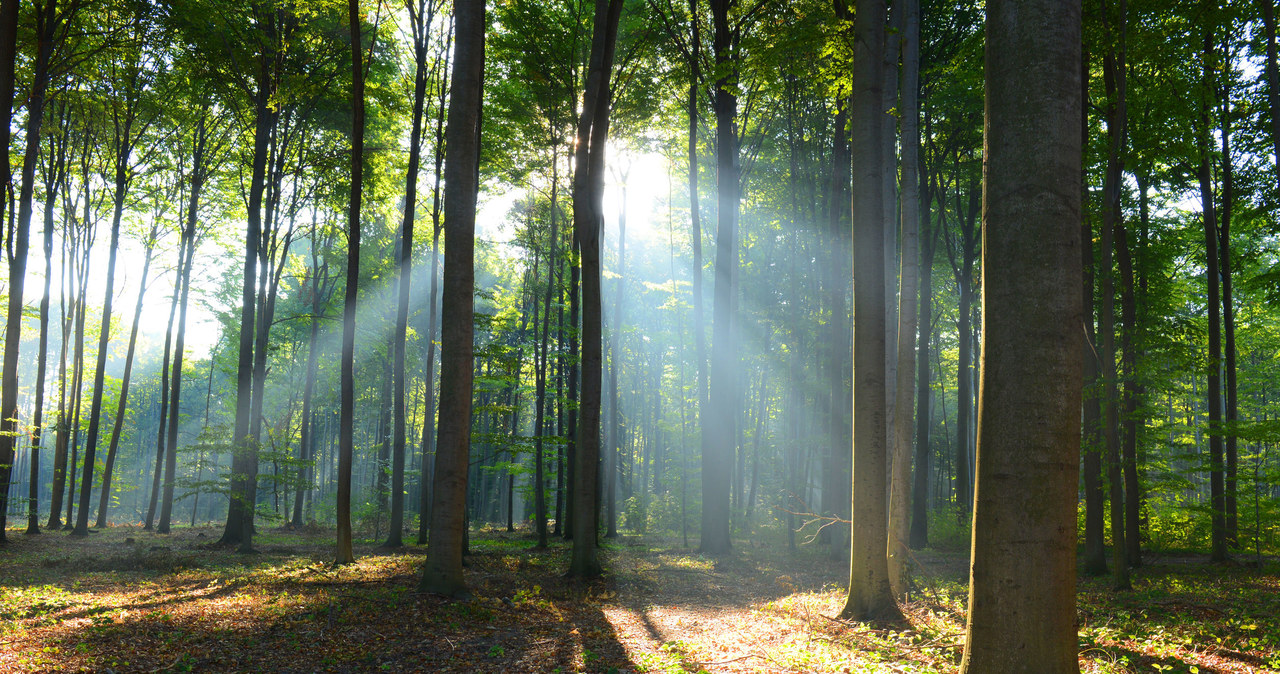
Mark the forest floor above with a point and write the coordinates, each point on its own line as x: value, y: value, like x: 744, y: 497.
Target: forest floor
x: 125, y: 600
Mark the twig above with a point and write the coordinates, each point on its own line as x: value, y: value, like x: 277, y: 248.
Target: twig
x: 725, y: 662
x: 171, y: 665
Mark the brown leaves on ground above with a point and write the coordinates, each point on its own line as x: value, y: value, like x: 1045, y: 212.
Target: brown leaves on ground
x: 178, y: 603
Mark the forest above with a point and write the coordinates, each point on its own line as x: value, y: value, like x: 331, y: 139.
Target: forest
x: 640, y: 336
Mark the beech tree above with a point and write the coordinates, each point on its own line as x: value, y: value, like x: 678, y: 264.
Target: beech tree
x: 442, y: 572
x: 1022, y: 585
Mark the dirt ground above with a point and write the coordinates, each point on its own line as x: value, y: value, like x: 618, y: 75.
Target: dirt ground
x: 131, y: 601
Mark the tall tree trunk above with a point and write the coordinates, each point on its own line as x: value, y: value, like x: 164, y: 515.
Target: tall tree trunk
x: 1273, y: 76
x: 1117, y: 113
x: 47, y: 21
x: 718, y: 422
x: 55, y: 174
x: 1095, y: 545
x: 1227, y: 177
x: 429, y: 423
x: 346, y: 441
x: 919, y: 537
x: 1218, y: 533
x: 869, y: 596
x: 175, y: 379
x: 1022, y: 589
x: 442, y: 573
x: 898, y: 496
x: 124, y: 147
x: 695, y: 208
x: 122, y: 405
x: 588, y: 190
x: 244, y: 462
x: 421, y: 18
x: 614, y: 448
x: 163, y: 415
x: 539, y: 429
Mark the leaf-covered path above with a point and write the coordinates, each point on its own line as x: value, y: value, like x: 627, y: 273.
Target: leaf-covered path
x: 131, y: 601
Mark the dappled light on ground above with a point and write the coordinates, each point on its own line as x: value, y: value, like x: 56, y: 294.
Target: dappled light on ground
x: 130, y: 601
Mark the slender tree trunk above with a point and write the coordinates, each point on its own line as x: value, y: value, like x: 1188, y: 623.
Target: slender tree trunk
x: 54, y: 176
x: 19, y: 241
x: 898, y: 496
x: 919, y: 537
x: 1218, y: 534
x: 175, y: 379
x: 163, y: 416
x: 429, y: 424
x: 1117, y: 113
x: 614, y: 449
x: 122, y: 405
x: 539, y: 428
x: 442, y: 573
x: 1273, y: 76
x: 421, y: 24
x: 1227, y: 181
x: 1095, y: 546
x: 1022, y: 591
x: 244, y: 462
x: 869, y: 596
x: 124, y: 147
x: 346, y: 444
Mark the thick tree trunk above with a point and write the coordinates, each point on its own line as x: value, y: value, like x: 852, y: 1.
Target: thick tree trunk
x: 442, y: 573
x: 718, y: 422
x: 1022, y: 590
x: 588, y: 190
x: 869, y: 597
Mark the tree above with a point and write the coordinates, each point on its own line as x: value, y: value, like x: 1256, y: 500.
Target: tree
x: 442, y: 572
x: 718, y: 421
x: 588, y: 190
x: 869, y: 596
x: 347, y: 414
x: 907, y: 314
x: 1022, y: 588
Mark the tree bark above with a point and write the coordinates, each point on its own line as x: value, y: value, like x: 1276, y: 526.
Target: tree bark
x: 346, y: 430
x: 442, y: 572
x: 718, y: 422
x: 869, y: 597
x: 122, y: 405
x: 588, y: 190
x: 1218, y: 523
x: 1117, y: 113
x: 47, y: 20
x: 1022, y: 590
x: 905, y: 393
